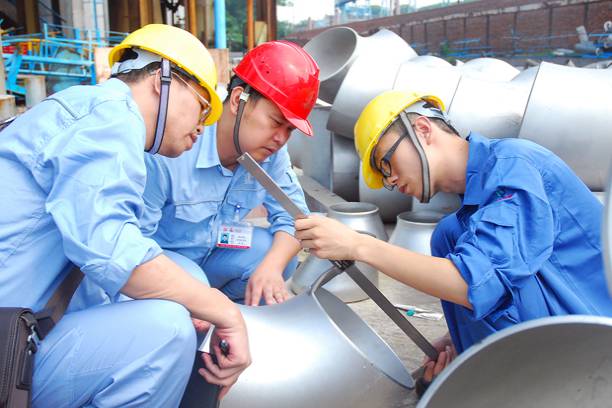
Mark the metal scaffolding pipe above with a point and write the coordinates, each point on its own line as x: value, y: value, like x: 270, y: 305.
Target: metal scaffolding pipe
x: 193, y: 17
x: 250, y: 25
x: 220, y: 30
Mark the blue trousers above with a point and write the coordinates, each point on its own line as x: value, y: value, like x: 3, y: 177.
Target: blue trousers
x: 130, y: 353
x: 229, y: 270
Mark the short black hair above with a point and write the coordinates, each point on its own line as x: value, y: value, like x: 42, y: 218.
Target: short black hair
x: 237, y: 81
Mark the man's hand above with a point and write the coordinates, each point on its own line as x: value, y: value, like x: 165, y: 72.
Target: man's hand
x: 225, y: 373
x: 327, y: 238
x: 266, y: 282
x: 200, y: 325
x: 447, y: 353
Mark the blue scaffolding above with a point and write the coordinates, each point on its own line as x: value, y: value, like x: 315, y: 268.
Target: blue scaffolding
x: 59, y: 51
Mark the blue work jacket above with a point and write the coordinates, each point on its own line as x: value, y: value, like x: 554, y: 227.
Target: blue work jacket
x: 189, y: 198
x: 526, y: 241
x: 72, y: 177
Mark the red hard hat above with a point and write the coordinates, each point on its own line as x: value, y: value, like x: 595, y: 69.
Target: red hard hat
x: 285, y: 74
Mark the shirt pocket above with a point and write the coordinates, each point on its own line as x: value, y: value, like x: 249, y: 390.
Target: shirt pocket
x: 495, y: 232
x: 246, y: 198
x: 196, y: 212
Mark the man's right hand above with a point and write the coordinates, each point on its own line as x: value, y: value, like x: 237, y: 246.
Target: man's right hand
x: 161, y: 278
x: 226, y: 372
x: 447, y: 353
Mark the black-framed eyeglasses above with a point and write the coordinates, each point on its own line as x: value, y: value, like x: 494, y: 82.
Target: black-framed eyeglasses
x: 384, y: 164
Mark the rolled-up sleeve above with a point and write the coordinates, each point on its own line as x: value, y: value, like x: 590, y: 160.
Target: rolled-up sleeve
x: 96, y: 194
x: 507, y: 241
x: 285, y: 177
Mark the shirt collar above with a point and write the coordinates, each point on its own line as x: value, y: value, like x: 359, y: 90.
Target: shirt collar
x: 208, y: 156
x: 117, y: 85
x: 479, y: 150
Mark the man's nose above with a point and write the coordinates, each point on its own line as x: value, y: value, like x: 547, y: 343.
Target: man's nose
x: 282, y: 136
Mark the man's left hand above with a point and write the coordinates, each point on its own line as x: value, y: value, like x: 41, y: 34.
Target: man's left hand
x: 267, y: 283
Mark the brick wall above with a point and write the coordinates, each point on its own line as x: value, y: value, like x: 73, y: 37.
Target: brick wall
x: 499, y: 25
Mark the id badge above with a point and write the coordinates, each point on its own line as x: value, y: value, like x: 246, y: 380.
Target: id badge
x: 235, y: 236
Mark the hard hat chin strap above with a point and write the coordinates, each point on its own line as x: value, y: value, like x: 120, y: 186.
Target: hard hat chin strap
x: 162, y: 112
x: 426, y: 194
x: 244, y: 97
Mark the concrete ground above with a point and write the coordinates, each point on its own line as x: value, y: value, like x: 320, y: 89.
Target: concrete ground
x: 406, y: 350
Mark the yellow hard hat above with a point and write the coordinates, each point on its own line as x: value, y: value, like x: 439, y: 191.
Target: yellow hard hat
x: 374, y: 120
x: 182, y: 49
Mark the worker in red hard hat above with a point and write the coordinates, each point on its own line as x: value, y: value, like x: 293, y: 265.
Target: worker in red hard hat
x: 196, y: 204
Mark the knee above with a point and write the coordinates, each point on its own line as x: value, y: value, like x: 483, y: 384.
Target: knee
x: 290, y: 269
x: 171, y: 321
x: 262, y: 241
x: 188, y: 265
x: 261, y: 244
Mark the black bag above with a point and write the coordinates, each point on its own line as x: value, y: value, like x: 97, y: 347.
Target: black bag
x: 21, y: 330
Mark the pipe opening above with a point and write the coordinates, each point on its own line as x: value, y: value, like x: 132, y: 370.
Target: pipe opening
x: 422, y: 217
x: 354, y: 208
x: 364, y: 339
x: 333, y: 50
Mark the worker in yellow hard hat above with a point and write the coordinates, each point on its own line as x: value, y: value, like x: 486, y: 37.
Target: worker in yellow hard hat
x: 73, y: 175
x: 525, y: 244
x: 170, y: 54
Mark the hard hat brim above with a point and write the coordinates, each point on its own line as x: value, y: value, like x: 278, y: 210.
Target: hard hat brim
x: 371, y: 176
x: 215, y: 102
x: 302, y: 125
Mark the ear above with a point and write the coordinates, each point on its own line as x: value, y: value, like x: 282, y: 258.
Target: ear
x: 234, y: 99
x: 156, y: 82
x: 423, y: 128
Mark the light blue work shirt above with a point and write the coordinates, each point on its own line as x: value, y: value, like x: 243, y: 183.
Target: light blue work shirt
x: 526, y: 241
x: 188, y: 198
x: 72, y: 177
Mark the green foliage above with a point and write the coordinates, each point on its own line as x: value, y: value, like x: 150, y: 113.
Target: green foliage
x: 235, y: 15
x: 283, y: 29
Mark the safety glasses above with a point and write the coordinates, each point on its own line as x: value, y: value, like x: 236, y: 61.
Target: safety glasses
x: 206, y: 107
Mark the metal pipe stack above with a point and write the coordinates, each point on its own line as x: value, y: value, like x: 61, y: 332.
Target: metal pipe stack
x: 565, y: 109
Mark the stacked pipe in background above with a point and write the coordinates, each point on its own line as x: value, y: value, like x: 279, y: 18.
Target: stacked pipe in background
x: 565, y: 109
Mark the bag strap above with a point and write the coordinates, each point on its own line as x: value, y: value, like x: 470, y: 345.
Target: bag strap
x: 58, y: 303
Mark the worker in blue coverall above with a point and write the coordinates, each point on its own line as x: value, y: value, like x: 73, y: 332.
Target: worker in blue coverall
x: 196, y: 204
x: 73, y: 175
x: 525, y: 244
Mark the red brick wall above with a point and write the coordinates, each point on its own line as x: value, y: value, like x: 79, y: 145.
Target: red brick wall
x: 564, y: 17
x: 476, y: 27
x: 532, y: 28
x: 503, y: 25
x: 597, y: 14
x: 500, y: 31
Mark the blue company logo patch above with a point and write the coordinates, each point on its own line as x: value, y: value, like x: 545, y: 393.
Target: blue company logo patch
x: 502, y: 195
